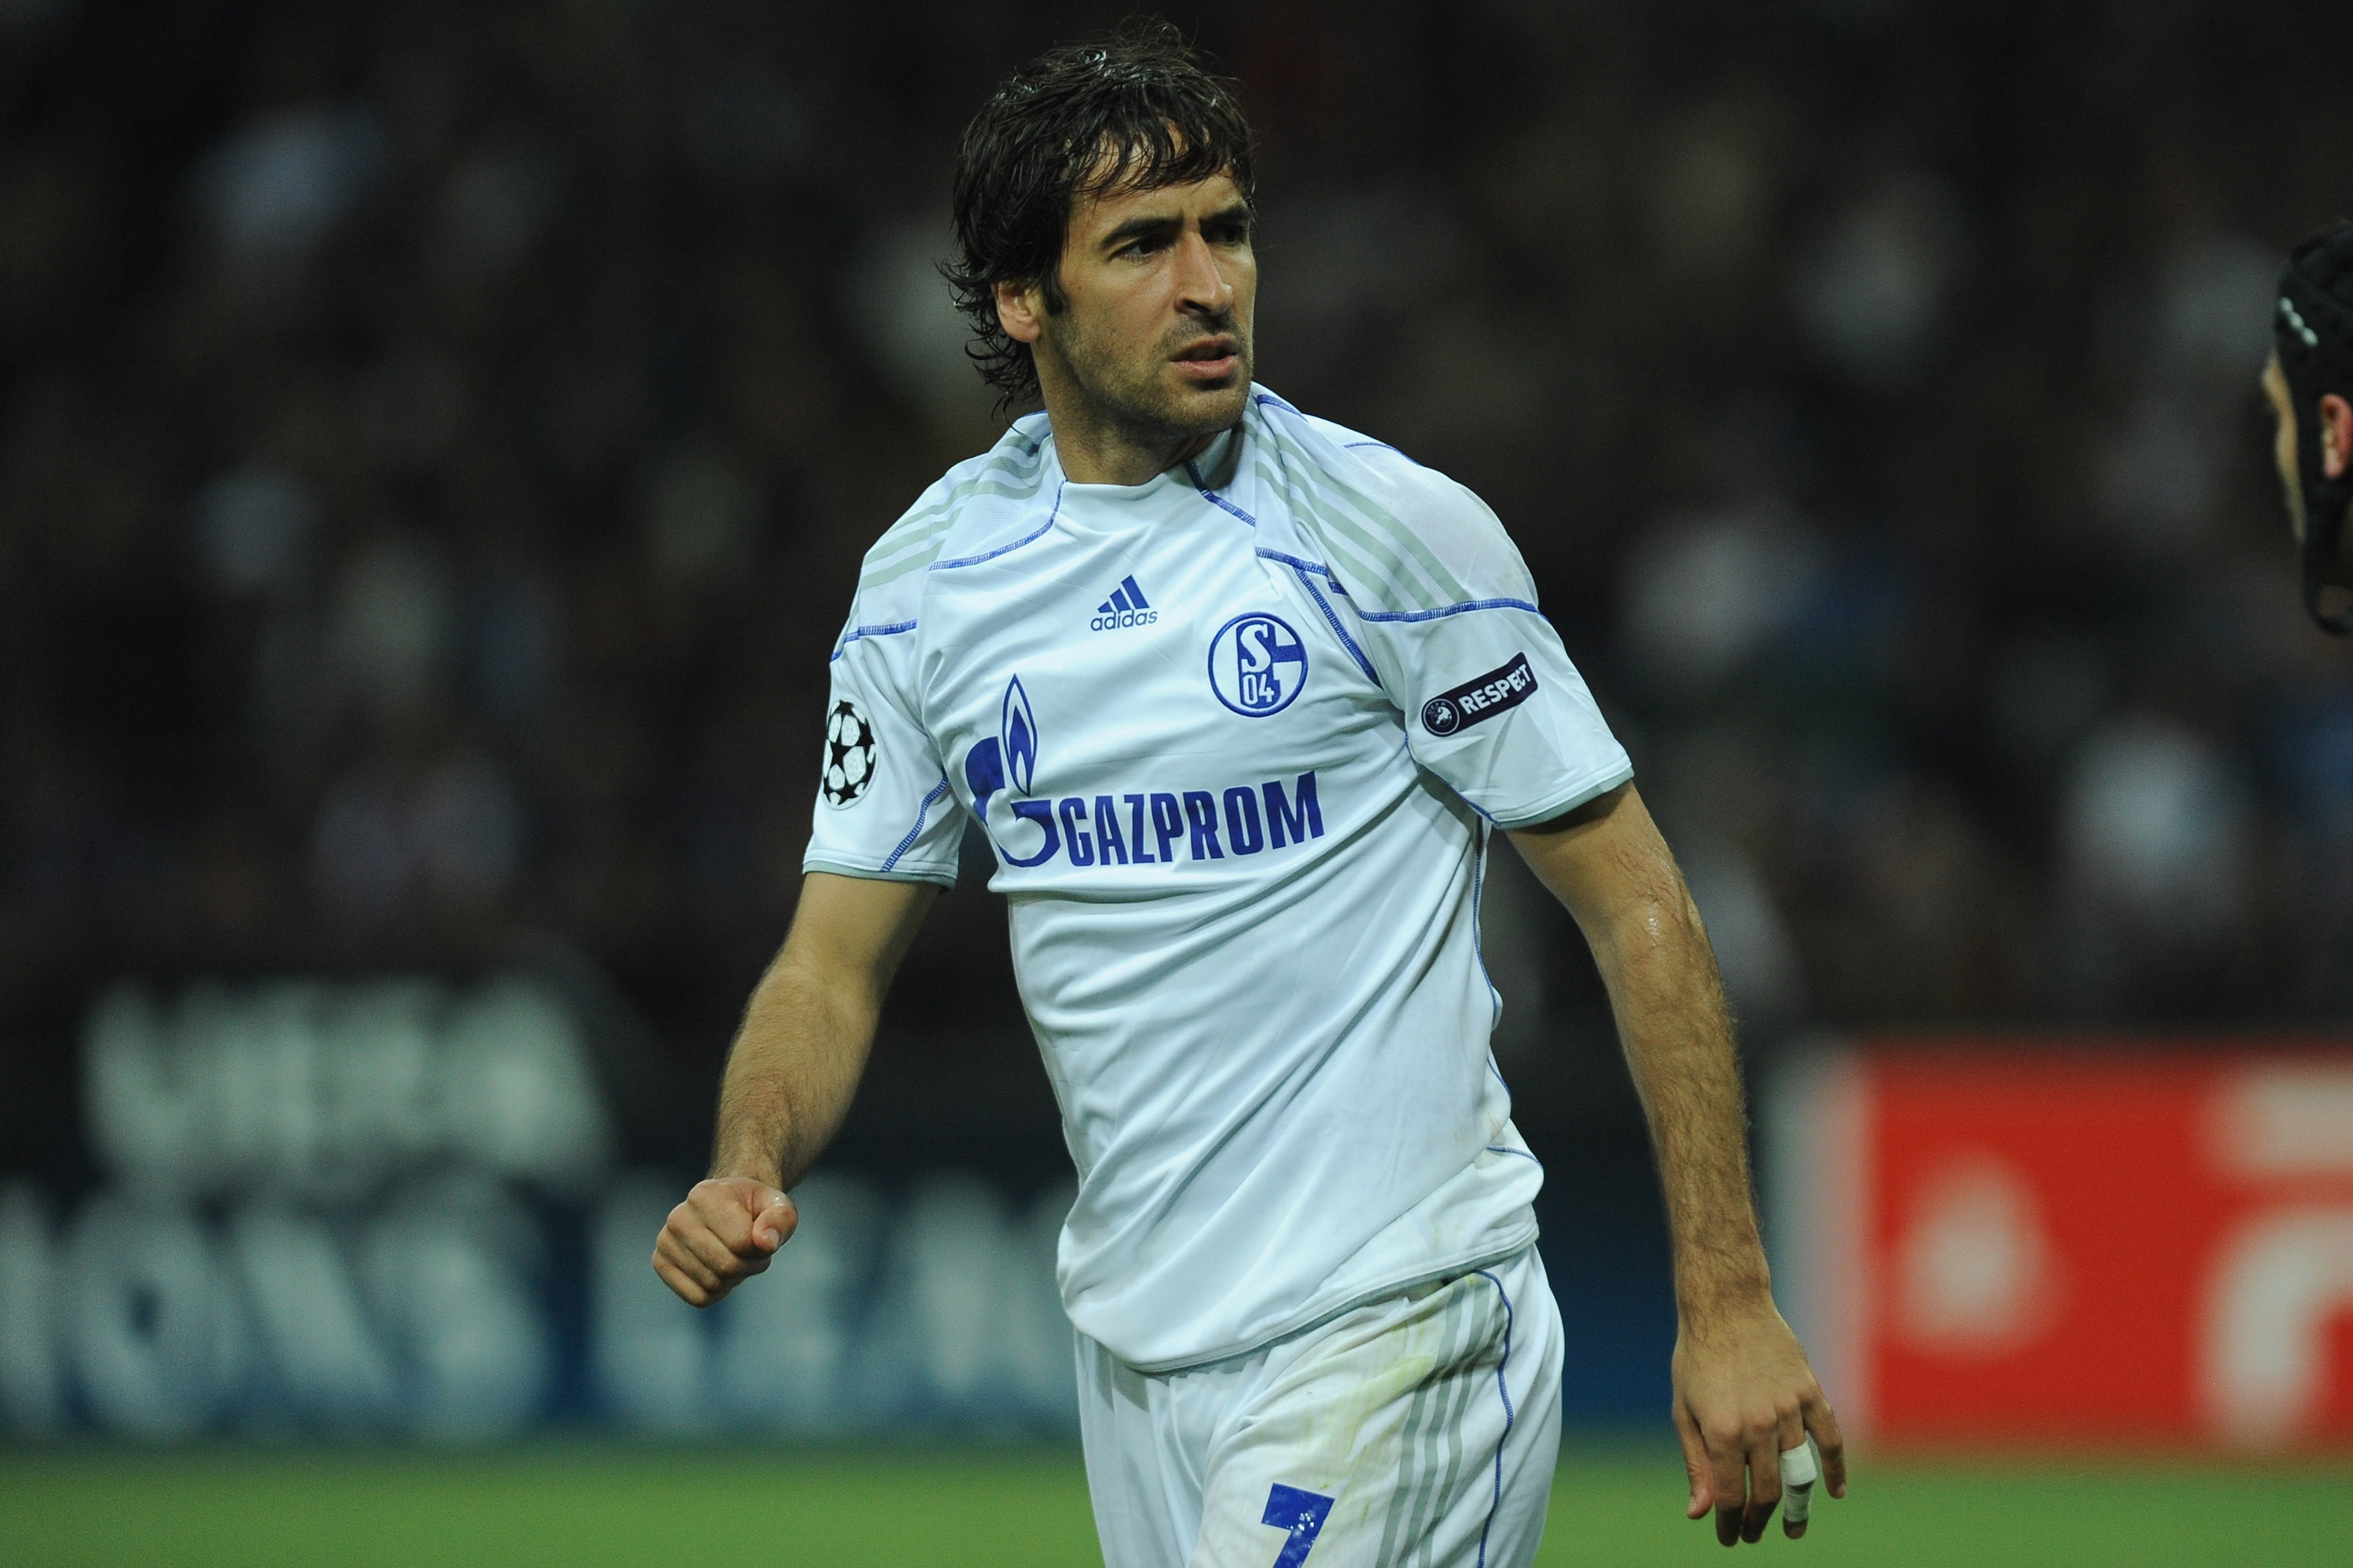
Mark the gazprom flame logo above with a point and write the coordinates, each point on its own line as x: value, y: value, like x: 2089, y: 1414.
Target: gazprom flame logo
x: 1010, y: 756
x: 1018, y: 729
x: 1143, y: 821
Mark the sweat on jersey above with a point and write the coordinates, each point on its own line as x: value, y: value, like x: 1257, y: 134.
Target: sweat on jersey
x: 1237, y: 734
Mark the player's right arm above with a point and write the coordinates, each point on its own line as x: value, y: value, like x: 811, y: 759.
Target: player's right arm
x: 790, y: 1077
x: 882, y: 848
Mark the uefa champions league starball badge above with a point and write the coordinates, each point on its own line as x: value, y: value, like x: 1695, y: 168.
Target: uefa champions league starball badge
x: 848, y: 756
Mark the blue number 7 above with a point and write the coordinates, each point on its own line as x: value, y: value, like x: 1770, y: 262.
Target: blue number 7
x: 1302, y: 1514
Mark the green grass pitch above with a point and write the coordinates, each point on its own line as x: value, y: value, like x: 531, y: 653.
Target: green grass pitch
x: 591, y: 1505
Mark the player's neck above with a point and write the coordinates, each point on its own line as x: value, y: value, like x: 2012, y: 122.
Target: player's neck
x: 1096, y: 445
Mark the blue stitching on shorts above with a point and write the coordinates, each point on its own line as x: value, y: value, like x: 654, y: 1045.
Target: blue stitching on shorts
x: 1503, y: 1391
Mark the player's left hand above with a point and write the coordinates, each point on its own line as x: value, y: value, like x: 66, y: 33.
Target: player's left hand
x: 1745, y: 1394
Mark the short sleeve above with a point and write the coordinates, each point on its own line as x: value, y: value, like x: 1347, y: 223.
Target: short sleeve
x: 1446, y: 614
x: 883, y: 808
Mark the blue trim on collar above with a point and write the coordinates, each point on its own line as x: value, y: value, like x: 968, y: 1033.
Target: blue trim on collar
x: 1007, y: 549
x: 1193, y: 473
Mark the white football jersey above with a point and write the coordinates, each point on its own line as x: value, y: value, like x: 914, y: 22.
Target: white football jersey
x: 1236, y: 736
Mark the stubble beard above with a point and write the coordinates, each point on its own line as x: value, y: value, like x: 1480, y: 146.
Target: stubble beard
x: 1132, y: 398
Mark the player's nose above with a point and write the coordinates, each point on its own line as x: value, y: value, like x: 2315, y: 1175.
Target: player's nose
x: 1201, y: 283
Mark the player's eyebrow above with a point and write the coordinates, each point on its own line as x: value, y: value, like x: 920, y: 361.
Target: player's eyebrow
x: 1150, y: 225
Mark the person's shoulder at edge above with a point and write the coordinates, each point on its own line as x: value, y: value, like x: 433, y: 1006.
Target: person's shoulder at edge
x: 1404, y: 539
x: 959, y: 517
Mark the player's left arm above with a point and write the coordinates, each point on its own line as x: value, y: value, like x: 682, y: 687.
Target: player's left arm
x: 1744, y: 1393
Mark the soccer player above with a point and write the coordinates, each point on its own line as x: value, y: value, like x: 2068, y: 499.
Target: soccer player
x: 1239, y: 698
x: 2309, y: 381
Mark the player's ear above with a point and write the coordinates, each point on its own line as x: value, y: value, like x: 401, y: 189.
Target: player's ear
x: 2336, y: 435
x: 1020, y: 311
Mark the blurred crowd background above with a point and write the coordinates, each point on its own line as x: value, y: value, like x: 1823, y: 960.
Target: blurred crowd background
x: 436, y: 442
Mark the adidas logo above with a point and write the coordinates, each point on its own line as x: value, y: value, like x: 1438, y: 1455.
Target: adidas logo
x: 1125, y: 607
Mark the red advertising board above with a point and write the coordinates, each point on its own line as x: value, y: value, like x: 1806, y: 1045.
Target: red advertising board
x: 1990, y: 1241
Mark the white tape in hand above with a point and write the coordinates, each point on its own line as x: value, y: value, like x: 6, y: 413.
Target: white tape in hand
x: 1801, y: 1467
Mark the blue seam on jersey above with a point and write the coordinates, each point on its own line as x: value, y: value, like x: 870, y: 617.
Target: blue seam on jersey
x: 1383, y: 445
x: 1449, y: 609
x: 1269, y: 400
x: 1294, y: 563
x: 893, y: 630
x: 1499, y: 1148
x: 939, y: 791
x: 1330, y: 617
x: 1503, y: 1391
x: 1497, y: 1071
x: 1477, y: 946
x: 1005, y: 549
x: 1212, y: 497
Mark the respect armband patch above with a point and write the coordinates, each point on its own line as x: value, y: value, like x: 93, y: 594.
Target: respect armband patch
x: 1479, y: 698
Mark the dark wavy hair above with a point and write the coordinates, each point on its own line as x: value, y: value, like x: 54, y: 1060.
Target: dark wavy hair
x: 2312, y: 329
x: 1137, y: 110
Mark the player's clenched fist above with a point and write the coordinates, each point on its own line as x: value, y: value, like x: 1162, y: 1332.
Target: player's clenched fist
x: 723, y: 1234
x: 1752, y: 1418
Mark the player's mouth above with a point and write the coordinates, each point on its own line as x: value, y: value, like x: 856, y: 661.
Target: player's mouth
x: 1210, y: 359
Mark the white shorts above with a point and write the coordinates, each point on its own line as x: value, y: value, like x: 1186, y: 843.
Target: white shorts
x: 1421, y: 1430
